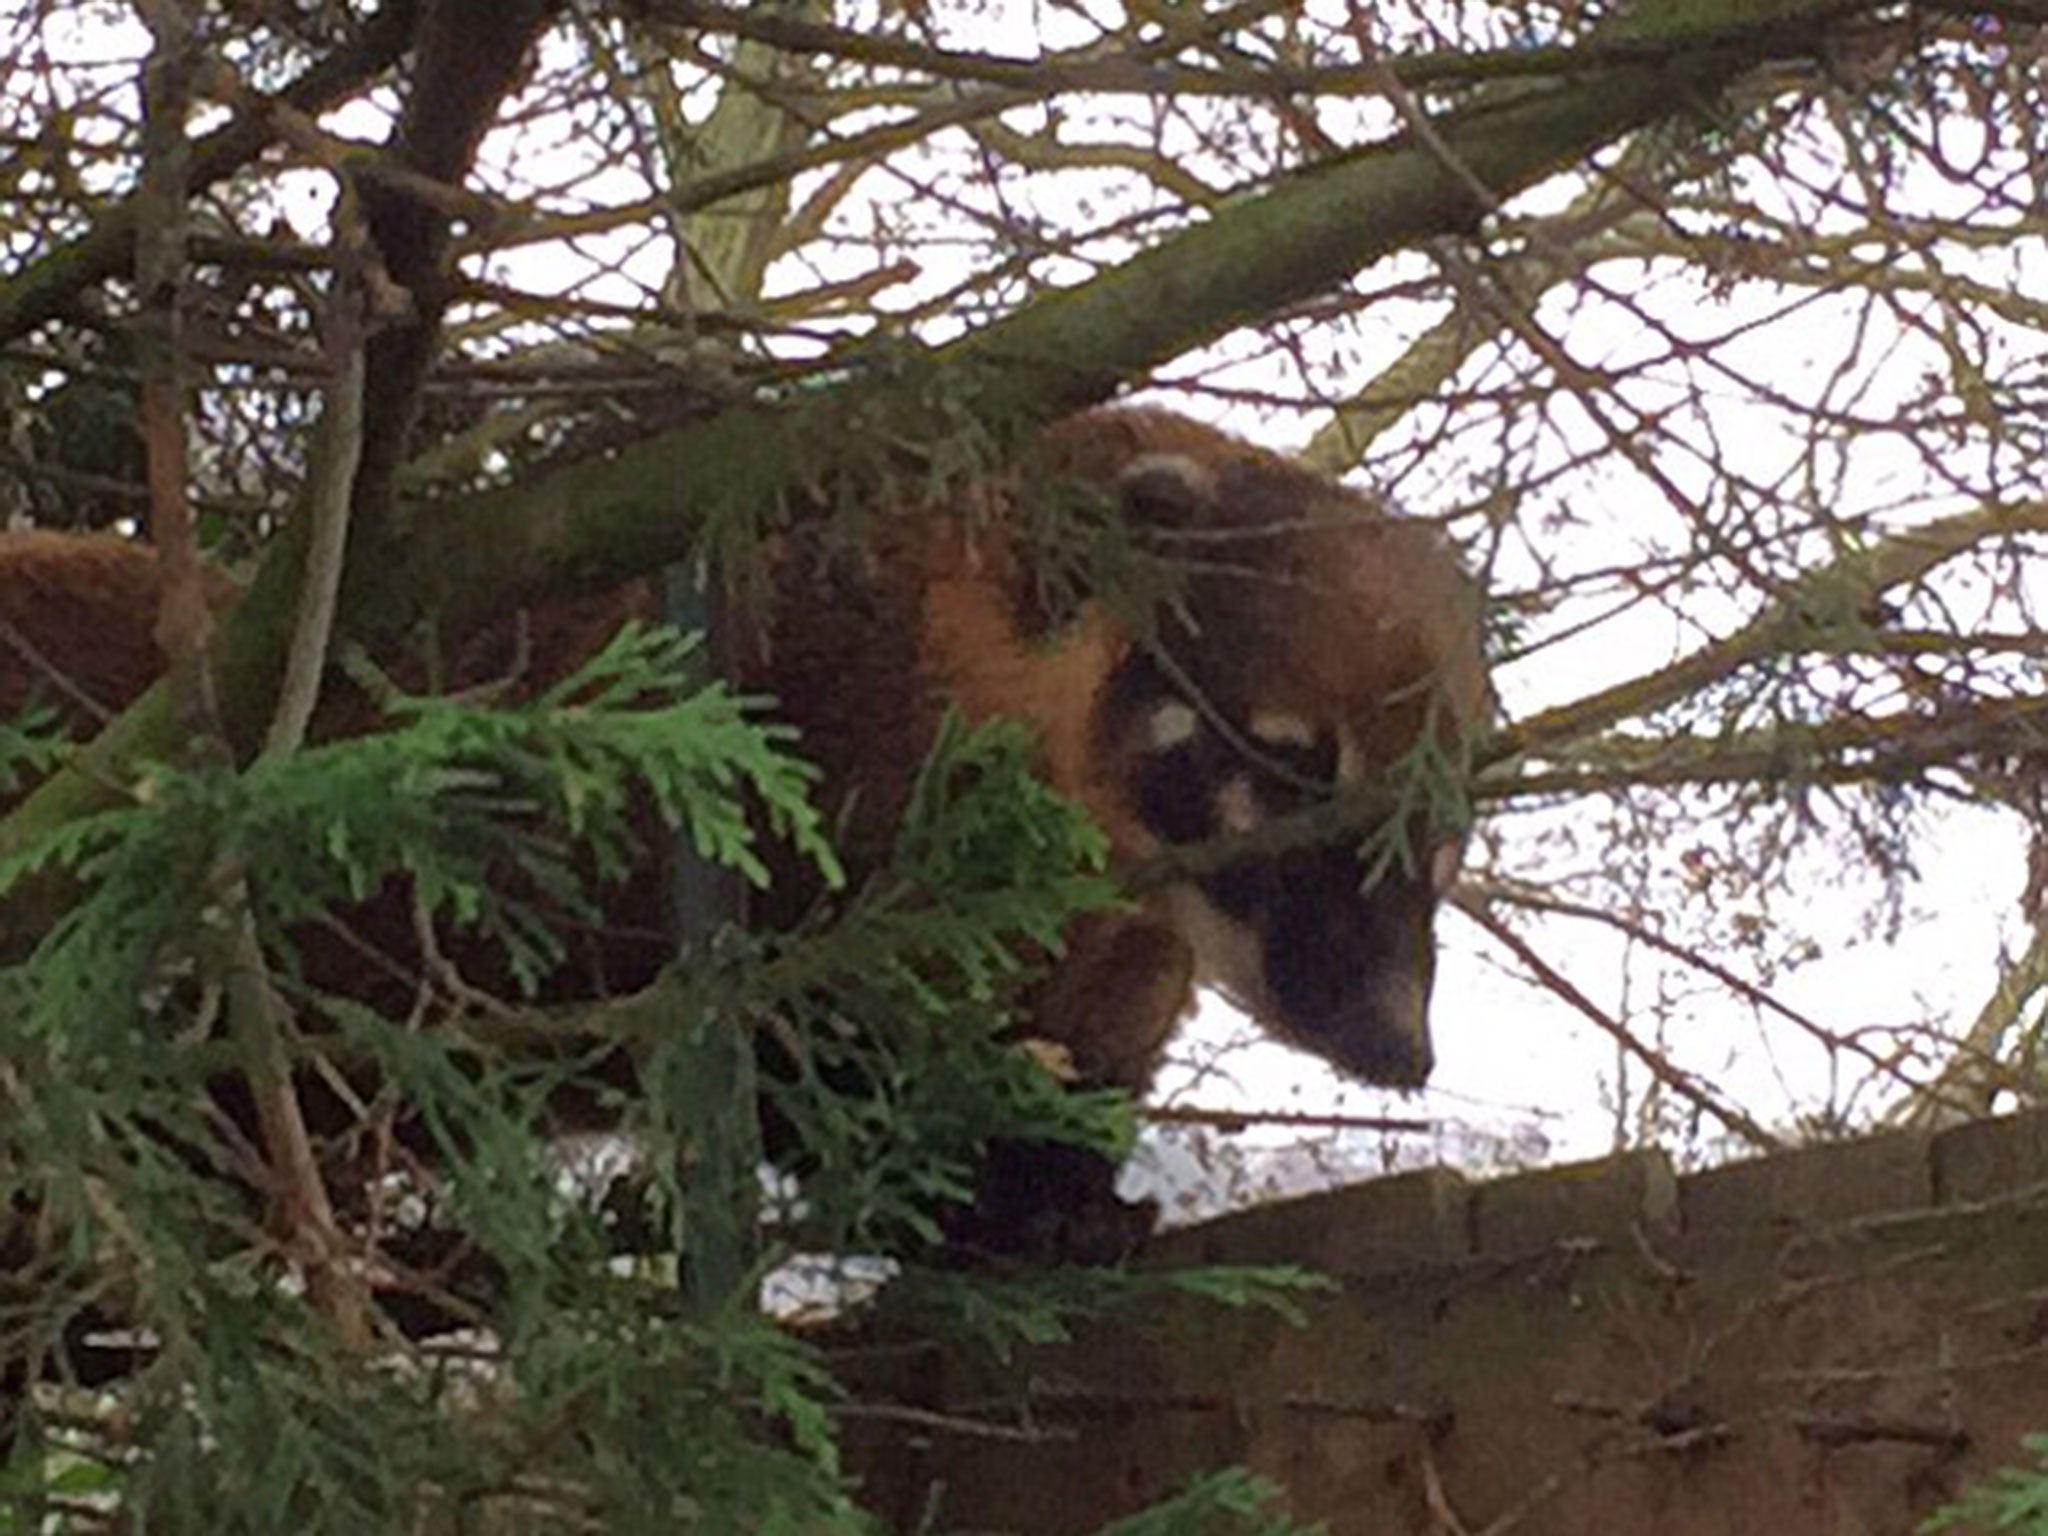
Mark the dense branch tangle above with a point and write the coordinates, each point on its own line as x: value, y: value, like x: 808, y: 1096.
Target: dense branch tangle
x: 1028, y: 226
x: 1709, y: 330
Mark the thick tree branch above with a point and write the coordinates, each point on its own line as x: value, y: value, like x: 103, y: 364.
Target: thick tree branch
x: 1884, y: 749
x: 1852, y: 750
x: 595, y: 524
x: 470, y: 55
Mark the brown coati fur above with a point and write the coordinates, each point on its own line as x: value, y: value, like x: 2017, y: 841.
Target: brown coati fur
x: 1322, y: 639
x: 1313, y: 642
x: 77, y: 613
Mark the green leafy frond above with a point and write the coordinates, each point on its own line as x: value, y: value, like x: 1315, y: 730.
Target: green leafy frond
x: 895, y: 1002
x: 2013, y: 1498
x: 31, y: 746
x: 892, y: 1008
x: 1428, y: 785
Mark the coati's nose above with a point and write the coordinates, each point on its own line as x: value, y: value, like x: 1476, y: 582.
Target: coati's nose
x: 1350, y: 979
x: 1399, y: 1065
x: 1385, y: 1038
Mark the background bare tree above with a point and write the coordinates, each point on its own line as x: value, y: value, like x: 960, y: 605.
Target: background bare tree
x: 1714, y: 333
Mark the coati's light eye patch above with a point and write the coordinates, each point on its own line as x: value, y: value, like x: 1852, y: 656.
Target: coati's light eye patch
x: 1275, y: 728
x: 1290, y: 752
x: 1171, y: 724
x: 1350, y: 757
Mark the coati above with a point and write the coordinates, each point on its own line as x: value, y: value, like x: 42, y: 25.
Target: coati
x: 1314, y: 642
x: 1321, y: 640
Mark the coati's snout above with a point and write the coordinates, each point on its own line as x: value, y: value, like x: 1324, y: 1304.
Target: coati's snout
x: 1349, y: 964
x: 1329, y: 948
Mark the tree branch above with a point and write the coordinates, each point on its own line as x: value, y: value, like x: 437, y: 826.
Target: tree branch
x: 470, y: 55
x: 49, y: 285
x: 1820, y: 603
x: 1695, y: 1092
x: 649, y: 505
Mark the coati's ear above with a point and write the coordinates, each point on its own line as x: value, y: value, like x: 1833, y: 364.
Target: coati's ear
x: 1166, y: 490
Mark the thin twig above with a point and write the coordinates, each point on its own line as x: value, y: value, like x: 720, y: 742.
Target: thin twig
x: 302, y: 1210
x: 1681, y: 1083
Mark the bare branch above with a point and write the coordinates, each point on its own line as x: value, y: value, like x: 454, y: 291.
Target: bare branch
x: 1695, y: 1092
x: 56, y: 278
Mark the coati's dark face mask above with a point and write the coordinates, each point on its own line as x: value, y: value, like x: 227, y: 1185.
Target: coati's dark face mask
x: 1329, y: 946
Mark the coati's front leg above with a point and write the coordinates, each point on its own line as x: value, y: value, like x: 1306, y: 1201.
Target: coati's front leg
x: 1111, y: 1005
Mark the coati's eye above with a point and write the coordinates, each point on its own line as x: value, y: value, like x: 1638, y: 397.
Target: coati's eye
x: 1205, y: 766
